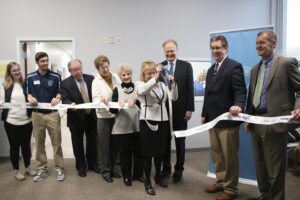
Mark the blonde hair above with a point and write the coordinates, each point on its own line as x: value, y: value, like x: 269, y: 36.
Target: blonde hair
x: 147, y: 65
x: 99, y: 60
x: 202, y: 72
x: 9, y: 82
x: 124, y: 68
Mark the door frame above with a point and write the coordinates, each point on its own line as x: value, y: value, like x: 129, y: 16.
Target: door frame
x: 19, y: 40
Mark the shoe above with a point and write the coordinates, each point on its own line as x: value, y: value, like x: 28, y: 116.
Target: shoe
x: 213, y: 188
x: 30, y: 172
x: 139, y: 178
x: 165, y: 173
x: 116, y: 175
x: 82, y: 173
x: 40, y: 175
x: 160, y: 182
x: 177, y: 175
x: 95, y: 169
x: 127, y: 182
x: 149, y: 189
x: 257, y: 198
x: 108, y: 179
x: 60, y: 176
x: 19, y: 176
x: 226, y: 196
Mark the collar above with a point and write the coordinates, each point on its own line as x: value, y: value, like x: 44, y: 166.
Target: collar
x: 41, y: 74
x: 220, y: 63
x: 78, y: 80
x: 268, y: 59
x: 174, y: 62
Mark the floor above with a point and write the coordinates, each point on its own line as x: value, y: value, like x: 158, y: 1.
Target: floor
x: 94, y: 187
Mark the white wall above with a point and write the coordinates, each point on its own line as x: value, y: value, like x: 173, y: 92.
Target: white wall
x: 141, y: 25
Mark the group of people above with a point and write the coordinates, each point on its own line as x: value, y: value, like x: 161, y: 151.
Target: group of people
x: 134, y: 135
x: 161, y: 102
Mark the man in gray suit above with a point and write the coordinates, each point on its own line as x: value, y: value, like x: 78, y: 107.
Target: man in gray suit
x: 274, y: 91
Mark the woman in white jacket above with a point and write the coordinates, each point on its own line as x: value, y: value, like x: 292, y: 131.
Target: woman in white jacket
x: 102, y: 89
x: 154, y: 119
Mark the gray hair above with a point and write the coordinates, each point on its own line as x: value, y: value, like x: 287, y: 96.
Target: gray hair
x: 75, y: 60
x: 124, y: 67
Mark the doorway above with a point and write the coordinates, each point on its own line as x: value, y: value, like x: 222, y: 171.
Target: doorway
x: 60, y: 52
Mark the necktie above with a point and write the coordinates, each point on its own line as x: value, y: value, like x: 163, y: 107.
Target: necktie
x: 215, y: 70
x: 84, y: 94
x: 259, y: 84
x: 170, y: 72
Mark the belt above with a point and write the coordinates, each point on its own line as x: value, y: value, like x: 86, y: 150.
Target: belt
x: 260, y: 111
x: 44, y: 111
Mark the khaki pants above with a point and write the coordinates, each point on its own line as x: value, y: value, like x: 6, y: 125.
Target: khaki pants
x: 224, y: 145
x: 51, y: 122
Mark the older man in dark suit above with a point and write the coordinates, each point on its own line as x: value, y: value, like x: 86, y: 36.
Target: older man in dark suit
x: 76, y: 89
x: 274, y: 90
x: 225, y: 92
x: 182, y: 108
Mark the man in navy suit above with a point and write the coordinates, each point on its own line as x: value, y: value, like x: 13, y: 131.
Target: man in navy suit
x: 182, y: 108
x: 76, y: 89
x: 225, y: 92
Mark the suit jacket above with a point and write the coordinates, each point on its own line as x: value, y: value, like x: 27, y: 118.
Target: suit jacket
x: 183, y: 76
x: 282, y: 92
x: 153, y: 106
x: 70, y: 94
x: 228, y: 88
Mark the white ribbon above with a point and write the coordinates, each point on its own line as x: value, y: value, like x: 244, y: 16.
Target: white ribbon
x: 48, y: 106
x: 101, y: 105
x: 184, y: 133
x: 241, y: 117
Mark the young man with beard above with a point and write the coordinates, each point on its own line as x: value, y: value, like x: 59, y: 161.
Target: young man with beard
x: 43, y: 86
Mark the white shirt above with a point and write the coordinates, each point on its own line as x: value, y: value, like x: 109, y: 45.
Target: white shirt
x: 16, y: 115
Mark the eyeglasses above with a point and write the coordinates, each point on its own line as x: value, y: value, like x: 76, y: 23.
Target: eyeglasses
x: 75, y: 69
x: 15, y: 70
x: 217, y: 48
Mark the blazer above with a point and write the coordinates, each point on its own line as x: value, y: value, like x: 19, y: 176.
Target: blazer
x: 183, y: 76
x: 282, y: 92
x: 228, y: 88
x: 70, y: 94
x: 153, y: 106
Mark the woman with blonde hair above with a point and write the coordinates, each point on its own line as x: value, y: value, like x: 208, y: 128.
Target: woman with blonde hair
x: 154, y: 119
x: 17, y: 120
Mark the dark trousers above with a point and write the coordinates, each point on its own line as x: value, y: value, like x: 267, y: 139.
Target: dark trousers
x: 138, y: 160
x: 77, y: 135
x: 130, y: 152
x: 19, y: 136
x: 147, y: 167
x: 180, y: 151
